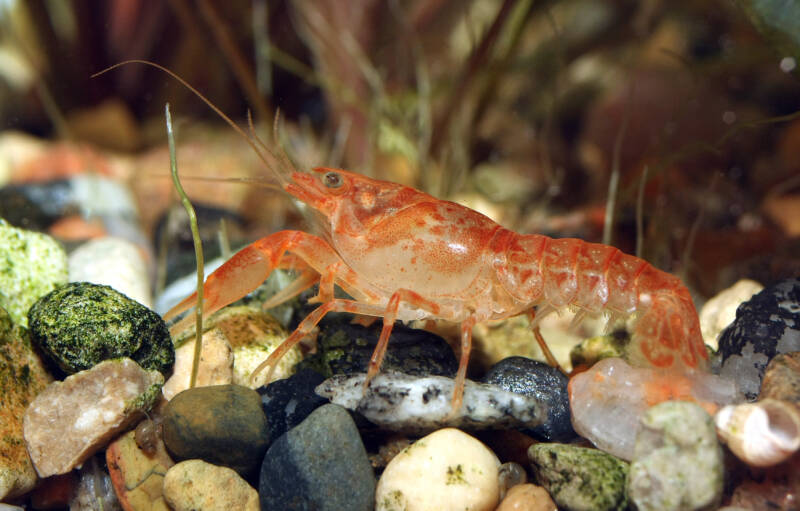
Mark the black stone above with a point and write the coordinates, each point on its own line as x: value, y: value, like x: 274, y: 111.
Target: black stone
x: 345, y: 348
x: 532, y: 378
x: 37, y: 206
x: 287, y: 402
x: 765, y: 325
x: 320, y: 465
x: 221, y: 424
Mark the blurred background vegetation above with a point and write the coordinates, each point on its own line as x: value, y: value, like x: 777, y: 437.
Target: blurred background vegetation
x: 547, y: 116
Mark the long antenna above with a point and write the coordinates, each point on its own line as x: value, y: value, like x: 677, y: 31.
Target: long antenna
x: 260, y: 148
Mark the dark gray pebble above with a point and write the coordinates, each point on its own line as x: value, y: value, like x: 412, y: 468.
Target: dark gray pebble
x: 547, y: 384
x: 37, y: 206
x: 79, y: 325
x: 320, y: 465
x: 221, y: 424
x: 765, y: 325
x: 287, y: 402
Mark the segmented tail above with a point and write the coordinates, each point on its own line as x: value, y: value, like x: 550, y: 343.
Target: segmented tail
x: 599, y: 279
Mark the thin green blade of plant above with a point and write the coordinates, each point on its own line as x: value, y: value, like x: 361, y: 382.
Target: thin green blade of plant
x: 198, y: 247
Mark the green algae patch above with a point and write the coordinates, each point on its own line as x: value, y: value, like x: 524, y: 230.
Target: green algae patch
x: 579, y: 478
x: 80, y: 324
x: 31, y: 265
x: 22, y: 377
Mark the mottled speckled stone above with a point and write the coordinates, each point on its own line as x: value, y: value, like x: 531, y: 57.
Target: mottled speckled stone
x: 765, y: 326
x: 579, y: 478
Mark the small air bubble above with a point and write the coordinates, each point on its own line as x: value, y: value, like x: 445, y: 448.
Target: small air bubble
x: 788, y: 64
x: 729, y: 117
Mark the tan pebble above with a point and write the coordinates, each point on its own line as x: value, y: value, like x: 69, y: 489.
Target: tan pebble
x: 195, y: 484
x: 782, y: 378
x: 71, y: 420
x: 527, y: 497
x: 446, y: 470
x: 720, y: 311
x: 216, y: 364
x: 137, y: 476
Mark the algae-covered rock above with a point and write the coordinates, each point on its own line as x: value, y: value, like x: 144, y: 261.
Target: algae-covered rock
x: 80, y: 324
x: 31, y: 265
x: 22, y: 377
x: 579, y: 478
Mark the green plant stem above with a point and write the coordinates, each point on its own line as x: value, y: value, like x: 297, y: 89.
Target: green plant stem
x: 198, y: 247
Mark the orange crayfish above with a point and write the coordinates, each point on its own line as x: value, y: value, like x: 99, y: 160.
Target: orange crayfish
x: 403, y: 254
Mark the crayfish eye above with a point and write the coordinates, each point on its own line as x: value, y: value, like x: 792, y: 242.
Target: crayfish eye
x: 332, y: 179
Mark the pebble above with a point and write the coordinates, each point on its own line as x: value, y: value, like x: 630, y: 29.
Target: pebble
x: 774, y: 488
x: 195, y: 484
x: 416, y: 404
x: 31, y: 265
x: 765, y: 326
x: 346, y: 348
x: 215, y: 367
x: 782, y: 378
x: 677, y: 462
x: 182, y: 287
x: 579, y: 478
x: 94, y: 491
x: 589, y: 351
x: 320, y: 465
x: 286, y: 403
x: 547, y: 384
x: 223, y: 425
x: 80, y: 324
x: 527, y: 497
x: 253, y: 335
x: 446, y: 470
x: 114, y: 262
x: 22, y: 377
x: 511, y: 474
x: 138, y: 475
x: 609, y: 399
x: 110, y: 201
x: 720, y: 311
x: 71, y: 420
x: 36, y: 206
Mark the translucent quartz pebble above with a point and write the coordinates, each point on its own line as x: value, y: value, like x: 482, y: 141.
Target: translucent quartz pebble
x: 400, y: 402
x: 608, y: 400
